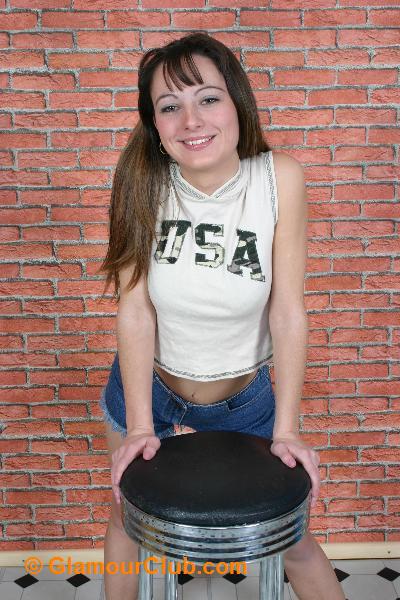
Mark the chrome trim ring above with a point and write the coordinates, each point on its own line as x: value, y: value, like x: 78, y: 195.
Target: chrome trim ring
x: 216, y: 544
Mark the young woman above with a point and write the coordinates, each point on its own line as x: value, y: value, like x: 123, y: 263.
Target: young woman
x: 207, y: 253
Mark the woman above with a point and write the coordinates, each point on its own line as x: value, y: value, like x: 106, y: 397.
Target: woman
x: 208, y: 280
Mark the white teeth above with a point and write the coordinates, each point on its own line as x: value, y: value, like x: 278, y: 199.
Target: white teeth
x: 195, y: 143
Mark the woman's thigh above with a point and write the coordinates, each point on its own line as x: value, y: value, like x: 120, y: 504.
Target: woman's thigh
x: 114, y: 441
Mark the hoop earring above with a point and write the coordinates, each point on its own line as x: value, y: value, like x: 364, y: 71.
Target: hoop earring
x: 160, y: 146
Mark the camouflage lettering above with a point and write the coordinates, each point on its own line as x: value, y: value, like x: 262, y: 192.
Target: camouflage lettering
x: 166, y: 226
x: 200, y: 232
x: 247, y: 243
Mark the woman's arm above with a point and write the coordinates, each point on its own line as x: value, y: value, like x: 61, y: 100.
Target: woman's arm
x: 287, y: 314
x: 288, y: 317
x: 136, y: 325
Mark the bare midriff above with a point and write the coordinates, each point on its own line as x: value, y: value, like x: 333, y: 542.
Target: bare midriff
x: 205, y: 392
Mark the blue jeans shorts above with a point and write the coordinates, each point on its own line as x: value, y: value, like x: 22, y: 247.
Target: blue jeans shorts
x: 252, y: 410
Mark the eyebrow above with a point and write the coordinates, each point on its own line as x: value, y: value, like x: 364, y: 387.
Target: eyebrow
x: 215, y: 87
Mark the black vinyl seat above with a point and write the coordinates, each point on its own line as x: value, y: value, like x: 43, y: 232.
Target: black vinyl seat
x: 216, y: 479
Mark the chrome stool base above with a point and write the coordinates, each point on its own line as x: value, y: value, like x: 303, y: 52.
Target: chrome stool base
x: 258, y: 542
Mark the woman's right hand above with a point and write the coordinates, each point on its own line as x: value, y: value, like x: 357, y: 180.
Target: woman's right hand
x: 136, y: 442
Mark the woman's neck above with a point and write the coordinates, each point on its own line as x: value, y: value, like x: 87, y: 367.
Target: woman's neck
x: 208, y: 181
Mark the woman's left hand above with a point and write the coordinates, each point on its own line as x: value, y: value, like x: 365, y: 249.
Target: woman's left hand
x: 290, y: 448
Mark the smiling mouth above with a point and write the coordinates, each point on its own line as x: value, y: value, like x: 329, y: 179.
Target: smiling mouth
x: 200, y: 142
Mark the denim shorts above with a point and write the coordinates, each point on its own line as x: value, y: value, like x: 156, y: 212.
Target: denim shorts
x: 252, y: 410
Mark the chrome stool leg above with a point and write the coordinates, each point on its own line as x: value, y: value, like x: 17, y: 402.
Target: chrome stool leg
x: 271, y: 578
x: 145, y: 578
x: 171, y: 581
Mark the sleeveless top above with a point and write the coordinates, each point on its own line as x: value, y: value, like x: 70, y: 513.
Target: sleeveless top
x: 210, y: 273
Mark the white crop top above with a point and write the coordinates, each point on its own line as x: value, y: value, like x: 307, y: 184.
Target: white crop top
x: 210, y: 274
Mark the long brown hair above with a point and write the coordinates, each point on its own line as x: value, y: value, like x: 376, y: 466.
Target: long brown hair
x: 141, y: 179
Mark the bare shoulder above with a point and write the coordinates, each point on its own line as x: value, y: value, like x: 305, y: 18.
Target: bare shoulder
x: 287, y: 167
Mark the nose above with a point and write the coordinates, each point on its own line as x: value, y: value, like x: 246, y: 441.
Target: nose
x: 192, y: 118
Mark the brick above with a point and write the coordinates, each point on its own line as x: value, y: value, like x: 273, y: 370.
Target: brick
x: 79, y: 177
x: 27, y: 288
x: 333, y: 173
x: 365, y: 191
x: 365, y: 115
x: 361, y: 153
x: 108, y: 39
x: 387, y: 171
x: 277, y: 98
x: 356, y: 472
x: 307, y: 4
x: 135, y: 18
x: 43, y: 81
x: 42, y: 40
x: 203, y: 20
x: 386, y: 55
x: 309, y: 77
x: 326, y: 18
x: 340, y: 96
x: 24, y: 395
x: 34, y: 497
x: 54, y: 233
x: 18, y: 140
x: 238, y: 3
x: 367, y: 76
x: 35, y: 529
x: 74, y: 100
x: 368, y: 505
x: 369, y: 37
x: 337, y: 57
x: 89, y: 359
x: 56, y: 377
x: 16, y: 21
x: 57, y: 307
x: 108, y: 78
x: 86, y: 462
x: 390, y: 388
x: 266, y: 18
x: 335, y: 136
x: 361, y: 264
x: 273, y: 58
x: 63, y: 513
x: 307, y: 117
x: 77, y: 60
x: 359, y: 405
x: 47, y: 159
x: 64, y: 411
x: 15, y: 514
x: 41, y: 4
x: 42, y: 120
x: 25, y: 178
x: 128, y: 58
x: 55, y: 342
x: 370, y: 3
x: 13, y: 59
x: 99, y: 158
x: 74, y: 20
x: 384, y: 96
x: 305, y: 39
x: 60, y: 480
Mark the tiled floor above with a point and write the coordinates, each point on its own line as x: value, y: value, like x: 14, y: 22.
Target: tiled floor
x: 360, y: 579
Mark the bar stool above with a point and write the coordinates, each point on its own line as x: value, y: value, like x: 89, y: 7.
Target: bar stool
x: 217, y: 496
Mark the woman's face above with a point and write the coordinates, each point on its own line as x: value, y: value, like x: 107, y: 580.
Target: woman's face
x: 204, y: 113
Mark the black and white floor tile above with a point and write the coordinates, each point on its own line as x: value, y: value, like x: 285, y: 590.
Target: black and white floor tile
x: 360, y: 580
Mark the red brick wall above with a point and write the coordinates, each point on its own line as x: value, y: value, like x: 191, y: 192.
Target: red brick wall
x: 325, y: 75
